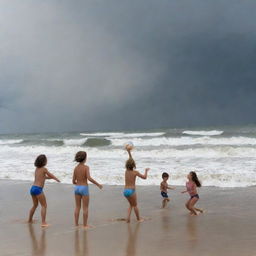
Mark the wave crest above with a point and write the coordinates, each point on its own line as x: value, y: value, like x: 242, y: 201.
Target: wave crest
x: 97, y: 142
x: 203, y: 133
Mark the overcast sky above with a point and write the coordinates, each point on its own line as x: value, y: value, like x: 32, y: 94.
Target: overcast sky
x: 138, y: 64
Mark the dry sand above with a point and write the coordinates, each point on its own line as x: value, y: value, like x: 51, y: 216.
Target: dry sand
x: 227, y: 228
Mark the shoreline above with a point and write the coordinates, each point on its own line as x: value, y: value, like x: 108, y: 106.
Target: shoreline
x: 47, y: 182
x: 226, y: 228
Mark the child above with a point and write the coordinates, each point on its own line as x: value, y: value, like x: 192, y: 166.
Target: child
x: 36, y: 191
x: 191, y: 185
x: 129, y: 190
x: 80, y: 176
x: 163, y: 188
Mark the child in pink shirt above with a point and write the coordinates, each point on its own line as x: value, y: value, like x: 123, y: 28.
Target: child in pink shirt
x: 191, y: 186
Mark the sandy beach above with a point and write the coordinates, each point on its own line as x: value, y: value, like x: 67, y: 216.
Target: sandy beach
x: 226, y: 228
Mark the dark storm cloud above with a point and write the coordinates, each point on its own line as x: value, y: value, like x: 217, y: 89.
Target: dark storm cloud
x: 126, y: 64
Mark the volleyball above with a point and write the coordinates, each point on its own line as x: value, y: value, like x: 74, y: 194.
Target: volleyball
x: 129, y: 146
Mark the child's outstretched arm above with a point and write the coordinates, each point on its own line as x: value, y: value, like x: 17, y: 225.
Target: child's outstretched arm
x: 129, y: 152
x: 185, y: 191
x: 91, y: 179
x: 143, y: 176
x: 51, y: 176
x: 171, y: 188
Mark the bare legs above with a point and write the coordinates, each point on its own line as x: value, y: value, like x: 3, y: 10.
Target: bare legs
x: 198, y: 210
x: 85, y: 200
x: 77, y: 209
x: 42, y: 200
x: 190, y: 206
x: 165, y: 201
x: 85, y: 210
x: 133, y: 205
x: 33, y: 209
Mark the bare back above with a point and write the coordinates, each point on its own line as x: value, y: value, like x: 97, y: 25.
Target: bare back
x: 130, y: 178
x: 80, y: 174
x: 40, y: 176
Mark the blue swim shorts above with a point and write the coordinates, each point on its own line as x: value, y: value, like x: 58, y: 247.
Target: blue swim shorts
x: 35, y: 191
x: 164, y: 194
x: 128, y: 192
x: 82, y: 190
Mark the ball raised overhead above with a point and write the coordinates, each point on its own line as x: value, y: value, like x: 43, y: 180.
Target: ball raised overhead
x: 129, y: 146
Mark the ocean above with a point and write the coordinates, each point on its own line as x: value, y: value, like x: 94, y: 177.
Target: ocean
x: 222, y: 156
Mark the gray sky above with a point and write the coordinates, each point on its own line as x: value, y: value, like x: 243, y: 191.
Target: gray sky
x: 138, y: 64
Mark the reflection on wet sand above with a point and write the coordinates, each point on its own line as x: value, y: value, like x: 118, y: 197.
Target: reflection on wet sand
x: 192, y: 230
x: 166, y: 223
x: 38, y: 246
x: 132, y: 240
x: 80, y: 243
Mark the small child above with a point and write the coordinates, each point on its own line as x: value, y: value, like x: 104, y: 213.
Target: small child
x: 80, y: 176
x: 163, y: 188
x: 36, y: 191
x: 191, y: 185
x: 129, y: 189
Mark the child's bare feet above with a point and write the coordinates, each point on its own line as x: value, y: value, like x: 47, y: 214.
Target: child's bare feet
x: 141, y: 220
x: 87, y: 227
x: 44, y: 225
x: 128, y: 220
x: 32, y: 221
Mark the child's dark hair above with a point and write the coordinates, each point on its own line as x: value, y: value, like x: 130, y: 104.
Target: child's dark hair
x: 80, y: 156
x: 40, y: 161
x: 195, y: 179
x: 130, y: 164
x: 165, y: 175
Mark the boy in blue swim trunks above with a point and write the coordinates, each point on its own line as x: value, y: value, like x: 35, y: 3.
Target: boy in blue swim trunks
x: 80, y: 176
x: 129, y: 189
x: 163, y: 188
x: 36, y: 191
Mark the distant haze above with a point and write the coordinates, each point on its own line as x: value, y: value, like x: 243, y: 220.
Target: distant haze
x: 112, y: 65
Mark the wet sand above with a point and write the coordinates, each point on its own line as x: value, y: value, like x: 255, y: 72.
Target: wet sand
x: 227, y: 228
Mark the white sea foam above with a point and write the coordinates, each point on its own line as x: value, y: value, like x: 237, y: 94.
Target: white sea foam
x: 219, y: 161
x: 203, y: 133
x: 74, y: 142
x: 186, y: 141
x: 102, y: 134
x: 8, y: 142
x: 123, y: 135
x: 226, y: 172
x: 135, y: 135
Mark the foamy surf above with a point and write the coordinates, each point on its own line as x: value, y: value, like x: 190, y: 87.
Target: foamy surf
x: 123, y: 135
x: 224, y: 160
x: 203, y: 133
x: 6, y: 142
x: 102, y: 134
x: 186, y: 141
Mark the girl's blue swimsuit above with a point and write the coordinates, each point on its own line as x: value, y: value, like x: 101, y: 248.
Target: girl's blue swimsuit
x: 35, y: 190
x: 82, y: 190
x: 128, y: 192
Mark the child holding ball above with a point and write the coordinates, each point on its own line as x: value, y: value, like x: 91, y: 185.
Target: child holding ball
x: 130, y: 181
